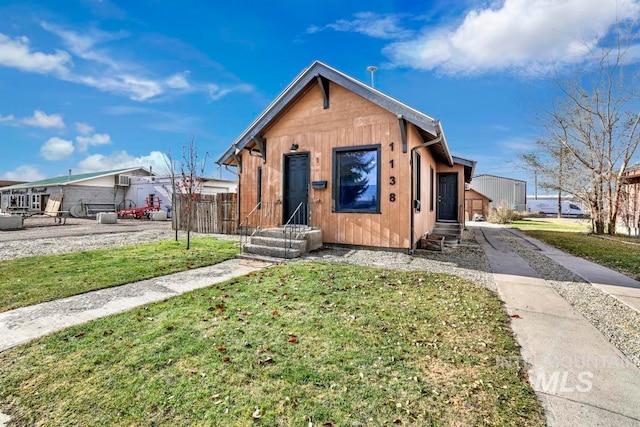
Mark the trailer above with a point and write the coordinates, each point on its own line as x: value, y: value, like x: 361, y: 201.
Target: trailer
x: 550, y: 207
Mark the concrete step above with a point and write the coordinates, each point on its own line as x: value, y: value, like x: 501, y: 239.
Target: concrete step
x: 280, y: 233
x: 276, y: 252
x: 301, y: 245
x: 447, y: 226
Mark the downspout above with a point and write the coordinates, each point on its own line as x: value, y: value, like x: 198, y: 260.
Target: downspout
x: 436, y: 140
x: 238, y: 202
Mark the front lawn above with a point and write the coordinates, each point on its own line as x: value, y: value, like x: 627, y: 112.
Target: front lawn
x: 32, y: 280
x: 611, y: 253
x: 294, y: 345
x: 553, y: 224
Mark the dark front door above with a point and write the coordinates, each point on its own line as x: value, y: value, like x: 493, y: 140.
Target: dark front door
x: 296, y: 188
x: 447, y: 208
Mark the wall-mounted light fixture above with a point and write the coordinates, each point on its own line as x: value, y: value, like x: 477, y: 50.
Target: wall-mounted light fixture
x: 294, y: 147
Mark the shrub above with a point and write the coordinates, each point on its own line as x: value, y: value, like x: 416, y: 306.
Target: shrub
x: 502, y: 214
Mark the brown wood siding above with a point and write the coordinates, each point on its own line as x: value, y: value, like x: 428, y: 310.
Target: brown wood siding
x: 475, y: 203
x: 350, y: 121
x: 424, y: 220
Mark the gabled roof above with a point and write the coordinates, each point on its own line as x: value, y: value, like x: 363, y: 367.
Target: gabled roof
x: 70, y: 179
x: 428, y: 127
x: 479, y: 193
x: 497, y: 177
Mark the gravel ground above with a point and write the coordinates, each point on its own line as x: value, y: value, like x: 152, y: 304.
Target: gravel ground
x: 41, y: 237
x: 467, y: 260
x: 618, y: 322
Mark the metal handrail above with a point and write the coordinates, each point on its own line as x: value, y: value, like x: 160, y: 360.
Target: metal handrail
x: 262, y: 215
x: 293, y: 227
x: 244, y: 229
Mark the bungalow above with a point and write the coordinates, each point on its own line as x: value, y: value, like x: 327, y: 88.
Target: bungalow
x: 338, y: 156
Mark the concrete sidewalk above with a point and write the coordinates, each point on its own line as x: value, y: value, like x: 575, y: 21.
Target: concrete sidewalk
x: 616, y: 284
x: 24, y: 324
x: 579, y: 377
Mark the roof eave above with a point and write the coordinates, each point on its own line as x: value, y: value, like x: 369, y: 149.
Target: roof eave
x: 307, y: 77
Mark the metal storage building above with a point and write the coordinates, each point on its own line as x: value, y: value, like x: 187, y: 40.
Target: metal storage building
x: 500, y: 189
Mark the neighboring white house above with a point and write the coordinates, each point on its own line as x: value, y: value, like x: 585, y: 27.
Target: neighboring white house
x: 143, y: 188
x: 499, y: 189
x: 82, y: 194
x: 86, y: 194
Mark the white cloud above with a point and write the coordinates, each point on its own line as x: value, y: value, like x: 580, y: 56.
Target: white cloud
x: 94, y: 140
x: 43, y: 120
x: 97, y: 65
x: 84, y: 45
x: 370, y: 24
x: 527, y: 36
x: 135, y: 88
x: 84, y: 128
x: 8, y: 118
x: 178, y: 81
x: 24, y: 173
x: 122, y: 159
x: 216, y: 93
x: 16, y: 53
x: 56, y: 149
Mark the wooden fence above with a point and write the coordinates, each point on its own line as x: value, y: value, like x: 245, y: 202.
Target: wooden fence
x: 209, y: 214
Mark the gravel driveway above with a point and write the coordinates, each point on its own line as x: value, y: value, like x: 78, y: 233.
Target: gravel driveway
x: 42, y: 237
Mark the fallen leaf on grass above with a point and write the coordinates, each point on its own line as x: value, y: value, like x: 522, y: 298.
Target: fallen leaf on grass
x: 222, y: 349
x: 265, y: 361
x: 257, y: 413
x: 292, y: 339
x: 79, y: 335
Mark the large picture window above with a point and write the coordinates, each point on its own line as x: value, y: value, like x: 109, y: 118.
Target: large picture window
x: 356, y: 179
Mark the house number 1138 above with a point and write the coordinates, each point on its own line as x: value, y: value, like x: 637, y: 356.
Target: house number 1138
x: 392, y: 179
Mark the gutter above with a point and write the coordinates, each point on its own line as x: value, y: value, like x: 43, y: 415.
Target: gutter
x: 436, y: 140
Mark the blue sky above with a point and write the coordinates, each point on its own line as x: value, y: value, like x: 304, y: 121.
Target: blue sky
x: 93, y: 85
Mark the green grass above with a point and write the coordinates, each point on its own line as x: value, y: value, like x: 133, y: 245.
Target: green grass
x: 581, y: 226
x: 32, y: 280
x: 573, y: 237
x: 611, y: 253
x: 289, y: 345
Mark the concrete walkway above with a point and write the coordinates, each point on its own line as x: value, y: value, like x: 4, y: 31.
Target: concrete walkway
x: 24, y: 324
x: 579, y: 377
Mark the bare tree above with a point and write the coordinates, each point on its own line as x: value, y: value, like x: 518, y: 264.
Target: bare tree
x: 171, y: 167
x: 190, y: 184
x: 591, y: 134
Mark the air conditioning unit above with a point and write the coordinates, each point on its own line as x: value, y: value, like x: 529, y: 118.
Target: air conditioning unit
x: 123, y: 181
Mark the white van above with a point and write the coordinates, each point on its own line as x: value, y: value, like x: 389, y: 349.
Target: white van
x: 550, y: 207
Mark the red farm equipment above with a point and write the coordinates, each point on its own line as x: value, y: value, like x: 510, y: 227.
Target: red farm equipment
x: 152, y: 205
